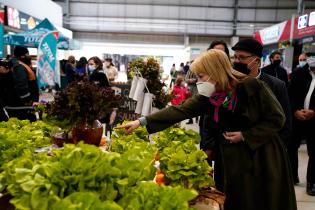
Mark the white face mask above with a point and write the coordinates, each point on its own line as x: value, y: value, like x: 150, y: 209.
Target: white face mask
x: 302, y: 63
x: 205, y: 88
x: 311, y: 61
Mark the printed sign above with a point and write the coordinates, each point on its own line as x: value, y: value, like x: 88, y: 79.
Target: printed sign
x: 127, y: 106
x: 1, y: 40
x: 303, y: 20
x: 311, y: 21
x: 47, y: 69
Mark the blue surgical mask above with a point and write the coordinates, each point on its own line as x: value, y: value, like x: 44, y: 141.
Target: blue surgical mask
x: 91, y: 68
x: 302, y: 63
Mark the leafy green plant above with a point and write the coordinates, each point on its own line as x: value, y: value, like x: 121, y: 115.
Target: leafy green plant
x: 148, y: 195
x: 82, y: 102
x: 149, y: 69
x: 81, y: 168
x: 86, y: 201
x: 181, y: 161
x: 19, y: 136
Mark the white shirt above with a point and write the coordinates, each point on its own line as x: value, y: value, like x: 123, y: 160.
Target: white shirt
x: 310, y: 92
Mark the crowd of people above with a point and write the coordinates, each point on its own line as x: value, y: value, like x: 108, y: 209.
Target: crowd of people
x: 94, y: 68
x: 251, y: 119
x: 19, y: 89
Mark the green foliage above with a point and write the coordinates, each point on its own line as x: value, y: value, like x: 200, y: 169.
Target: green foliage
x: 86, y: 201
x: 19, y: 136
x: 83, y: 177
x: 138, y: 139
x: 148, y: 195
x: 82, y: 102
x: 149, y: 69
x: 181, y: 161
x: 75, y: 168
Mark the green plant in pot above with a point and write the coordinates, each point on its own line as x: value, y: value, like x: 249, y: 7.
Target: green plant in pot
x: 80, y: 106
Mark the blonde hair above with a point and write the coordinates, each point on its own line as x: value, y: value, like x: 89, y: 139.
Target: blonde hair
x: 218, y: 67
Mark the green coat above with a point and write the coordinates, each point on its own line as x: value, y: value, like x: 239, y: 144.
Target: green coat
x: 256, y: 171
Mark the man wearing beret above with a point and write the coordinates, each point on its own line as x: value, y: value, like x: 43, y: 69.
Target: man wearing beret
x: 247, y: 59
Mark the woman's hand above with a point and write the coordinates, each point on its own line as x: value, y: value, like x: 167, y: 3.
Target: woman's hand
x: 233, y: 137
x: 129, y: 127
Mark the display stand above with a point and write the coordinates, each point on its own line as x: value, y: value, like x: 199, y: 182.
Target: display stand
x: 144, y: 100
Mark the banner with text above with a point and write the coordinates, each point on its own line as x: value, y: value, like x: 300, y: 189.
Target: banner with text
x: 47, y: 66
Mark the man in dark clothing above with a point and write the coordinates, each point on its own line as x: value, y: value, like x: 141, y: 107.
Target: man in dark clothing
x: 25, y: 84
x: 247, y: 60
x: 275, y: 69
x: 302, y: 95
x: 186, y: 67
x: 24, y: 76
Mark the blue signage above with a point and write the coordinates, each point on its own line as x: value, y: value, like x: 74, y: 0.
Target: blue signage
x: 1, y: 40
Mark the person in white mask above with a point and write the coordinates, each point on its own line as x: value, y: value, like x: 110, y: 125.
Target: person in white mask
x: 245, y: 120
x: 96, y: 74
x: 302, y: 95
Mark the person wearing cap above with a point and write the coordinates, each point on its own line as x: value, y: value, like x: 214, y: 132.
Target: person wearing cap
x: 302, y: 95
x: 275, y: 69
x: 25, y: 85
x: 245, y: 120
x: 24, y: 76
x: 110, y: 70
x: 247, y: 59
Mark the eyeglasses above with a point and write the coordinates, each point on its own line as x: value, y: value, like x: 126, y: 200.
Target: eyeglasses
x: 242, y: 58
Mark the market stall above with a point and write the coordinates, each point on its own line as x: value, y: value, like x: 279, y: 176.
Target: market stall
x: 64, y: 161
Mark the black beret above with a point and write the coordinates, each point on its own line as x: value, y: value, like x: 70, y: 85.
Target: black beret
x: 20, y: 51
x: 249, y: 45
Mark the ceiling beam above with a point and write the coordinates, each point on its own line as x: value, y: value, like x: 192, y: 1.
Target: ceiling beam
x: 192, y: 5
x: 181, y: 19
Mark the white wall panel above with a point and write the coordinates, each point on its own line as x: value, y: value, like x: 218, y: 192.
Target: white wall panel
x: 246, y: 14
x: 266, y: 15
x: 134, y: 25
x: 146, y: 11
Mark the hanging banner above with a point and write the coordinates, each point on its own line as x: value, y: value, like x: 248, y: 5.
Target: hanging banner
x: 274, y: 34
x: 47, y: 66
x: 1, y: 40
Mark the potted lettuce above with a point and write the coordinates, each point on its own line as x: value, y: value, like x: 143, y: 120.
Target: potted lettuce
x: 79, y: 107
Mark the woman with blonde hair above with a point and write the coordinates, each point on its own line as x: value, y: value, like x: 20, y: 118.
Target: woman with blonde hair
x: 245, y: 120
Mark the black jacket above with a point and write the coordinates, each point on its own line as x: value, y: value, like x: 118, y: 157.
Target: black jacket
x: 299, y: 85
x: 279, y: 89
x: 276, y: 71
x: 99, y: 78
x: 8, y: 94
x: 26, y: 89
x: 70, y: 72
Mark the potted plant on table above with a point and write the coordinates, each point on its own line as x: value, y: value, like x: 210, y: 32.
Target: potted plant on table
x: 80, y: 106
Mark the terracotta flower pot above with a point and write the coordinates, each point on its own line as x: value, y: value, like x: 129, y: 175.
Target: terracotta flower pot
x: 88, y: 134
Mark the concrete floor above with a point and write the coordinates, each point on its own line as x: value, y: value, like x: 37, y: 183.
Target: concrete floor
x: 304, y: 201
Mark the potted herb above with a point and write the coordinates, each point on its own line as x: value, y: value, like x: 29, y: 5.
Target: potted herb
x: 80, y: 106
x: 149, y: 69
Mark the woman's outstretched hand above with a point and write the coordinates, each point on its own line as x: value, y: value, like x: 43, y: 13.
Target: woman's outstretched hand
x: 129, y: 127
